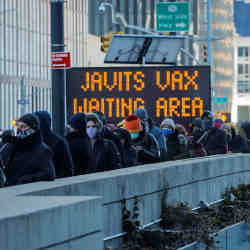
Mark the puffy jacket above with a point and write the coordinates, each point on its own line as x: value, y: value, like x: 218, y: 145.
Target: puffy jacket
x: 150, y: 150
x: 28, y: 160
x: 105, y: 155
x: 216, y: 141
x: 176, y: 146
x: 238, y: 145
x: 109, y: 135
x: 129, y: 153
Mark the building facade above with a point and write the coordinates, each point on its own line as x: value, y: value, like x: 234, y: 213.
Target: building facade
x: 25, y: 47
x: 241, y: 107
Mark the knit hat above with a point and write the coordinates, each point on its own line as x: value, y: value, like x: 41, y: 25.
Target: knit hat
x: 168, y: 123
x: 133, y: 124
x: 142, y: 114
x: 218, y: 123
x: 207, y: 115
x: 31, y: 120
x: 78, y: 121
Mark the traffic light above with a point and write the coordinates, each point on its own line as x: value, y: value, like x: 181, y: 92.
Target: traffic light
x: 14, y: 123
x: 205, y: 53
x: 106, y: 40
x: 226, y: 117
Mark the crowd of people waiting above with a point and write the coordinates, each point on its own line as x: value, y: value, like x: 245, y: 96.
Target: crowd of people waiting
x: 91, y: 144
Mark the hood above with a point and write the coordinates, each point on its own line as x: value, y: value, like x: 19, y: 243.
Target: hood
x: 142, y: 114
x: 45, y: 121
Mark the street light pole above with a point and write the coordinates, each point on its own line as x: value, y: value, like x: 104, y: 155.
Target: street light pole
x: 58, y: 75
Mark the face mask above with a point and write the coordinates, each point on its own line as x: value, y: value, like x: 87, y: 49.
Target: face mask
x: 92, y: 132
x: 134, y: 135
x: 167, y: 131
x: 25, y: 133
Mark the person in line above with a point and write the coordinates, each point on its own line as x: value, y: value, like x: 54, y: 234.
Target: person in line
x: 195, y: 145
x: 79, y: 145
x: 62, y: 158
x: 104, y: 150
x: 129, y: 151
x: 176, y: 143
x: 29, y: 158
x: 237, y: 141
x: 146, y: 147
x: 108, y: 134
x: 151, y: 128
x: 216, y: 139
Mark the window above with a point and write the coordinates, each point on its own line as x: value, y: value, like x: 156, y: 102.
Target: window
x: 243, y: 51
x: 243, y: 87
x: 240, y: 69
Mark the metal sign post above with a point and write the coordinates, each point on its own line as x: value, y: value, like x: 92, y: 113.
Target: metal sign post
x: 58, y: 76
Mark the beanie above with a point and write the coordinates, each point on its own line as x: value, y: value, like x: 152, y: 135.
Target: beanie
x: 168, y: 123
x: 218, y: 123
x: 31, y: 120
x: 142, y: 114
x: 78, y: 121
x: 133, y: 124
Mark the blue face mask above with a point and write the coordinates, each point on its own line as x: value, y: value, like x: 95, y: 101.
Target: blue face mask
x: 134, y: 135
x: 92, y: 132
x: 167, y: 131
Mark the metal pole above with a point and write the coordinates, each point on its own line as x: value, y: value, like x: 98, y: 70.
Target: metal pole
x: 57, y: 75
x: 209, y: 31
x: 209, y: 56
x: 23, y: 97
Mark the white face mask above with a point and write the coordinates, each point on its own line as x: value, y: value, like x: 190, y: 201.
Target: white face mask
x: 92, y: 132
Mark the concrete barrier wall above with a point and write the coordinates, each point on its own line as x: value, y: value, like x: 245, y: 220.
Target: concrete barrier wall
x: 235, y: 237
x: 189, y: 180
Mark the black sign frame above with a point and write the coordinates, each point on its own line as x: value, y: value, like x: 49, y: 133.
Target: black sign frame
x: 111, y: 90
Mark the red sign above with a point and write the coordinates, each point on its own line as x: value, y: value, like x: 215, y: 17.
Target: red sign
x: 60, y: 60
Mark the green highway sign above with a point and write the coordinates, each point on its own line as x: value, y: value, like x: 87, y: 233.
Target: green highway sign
x: 220, y: 99
x: 172, y: 16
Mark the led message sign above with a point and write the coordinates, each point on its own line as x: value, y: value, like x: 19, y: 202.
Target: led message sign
x: 178, y: 92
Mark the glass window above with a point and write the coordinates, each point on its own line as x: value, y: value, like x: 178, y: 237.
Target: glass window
x: 243, y: 51
x: 240, y: 69
x: 240, y: 51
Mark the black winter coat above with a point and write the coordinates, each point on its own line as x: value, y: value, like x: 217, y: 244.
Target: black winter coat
x: 109, y: 135
x: 81, y: 151
x: 28, y: 160
x: 106, y: 157
x: 150, y: 152
x: 174, y: 148
x: 238, y: 145
x: 216, y: 142
x: 62, y: 158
